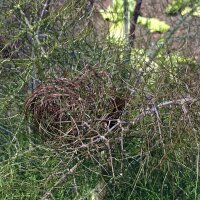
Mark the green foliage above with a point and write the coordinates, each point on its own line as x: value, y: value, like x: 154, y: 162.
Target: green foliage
x: 188, y: 9
x: 30, y: 169
x: 177, y: 6
x: 115, y: 12
x: 115, y: 15
x: 154, y: 25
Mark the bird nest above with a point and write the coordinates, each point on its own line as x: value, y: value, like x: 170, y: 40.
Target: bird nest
x: 74, y: 114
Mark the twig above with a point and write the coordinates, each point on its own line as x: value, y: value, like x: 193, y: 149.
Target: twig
x: 61, y: 180
x: 45, y: 9
x: 111, y: 159
x: 159, y: 127
x: 149, y: 111
x: 161, y: 105
x: 43, y: 14
x: 75, y: 186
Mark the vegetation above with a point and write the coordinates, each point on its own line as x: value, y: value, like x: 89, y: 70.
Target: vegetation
x: 88, y: 115
x: 178, y: 5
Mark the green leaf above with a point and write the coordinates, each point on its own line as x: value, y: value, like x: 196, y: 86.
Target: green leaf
x: 114, y: 14
x: 116, y: 31
x: 153, y: 24
x: 177, y: 6
x: 174, y: 7
x: 188, y: 9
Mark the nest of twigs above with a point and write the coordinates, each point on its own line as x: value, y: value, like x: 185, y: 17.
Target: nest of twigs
x: 76, y: 115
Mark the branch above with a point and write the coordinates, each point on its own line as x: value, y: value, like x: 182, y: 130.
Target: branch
x: 149, y: 111
x: 61, y: 180
x: 134, y: 22
x: 161, y: 105
x: 45, y: 9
